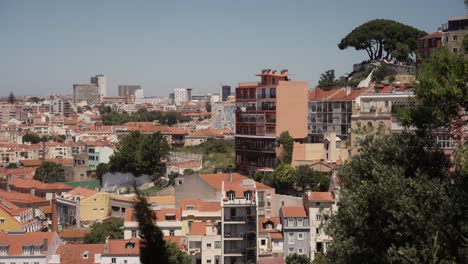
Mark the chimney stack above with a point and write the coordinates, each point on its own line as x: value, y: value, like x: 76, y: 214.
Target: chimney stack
x: 54, y: 215
x: 230, y: 176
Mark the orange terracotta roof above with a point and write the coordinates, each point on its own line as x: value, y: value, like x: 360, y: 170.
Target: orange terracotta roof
x: 16, y: 241
x: 74, y: 253
x: 201, y: 205
x: 216, y: 179
x: 17, y: 197
x: 198, y: 229
x: 294, y: 211
x: 82, y: 192
x: 263, y: 221
x: 118, y: 247
x: 161, y: 214
x: 30, y: 184
x: 26, y: 172
x: 31, y: 162
x: 74, y: 233
x: 10, y: 207
x: 437, y: 34
x: 321, y: 197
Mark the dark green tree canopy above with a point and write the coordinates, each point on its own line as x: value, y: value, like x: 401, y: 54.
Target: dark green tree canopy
x: 49, y: 172
x: 140, y: 154
x: 384, y: 39
x: 111, y: 228
x: 287, y: 142
x: 297, y: 259
x: 328, y: 80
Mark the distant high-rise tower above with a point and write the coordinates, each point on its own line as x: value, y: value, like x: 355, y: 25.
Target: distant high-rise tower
x: 128, y: 90
x: 225, y: 92
x: 182, y: 95
x: 101, y: 81
x: 91, y: 93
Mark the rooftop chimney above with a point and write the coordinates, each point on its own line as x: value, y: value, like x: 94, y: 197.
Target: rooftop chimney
x: 230, y: 176
x: 54, y: 215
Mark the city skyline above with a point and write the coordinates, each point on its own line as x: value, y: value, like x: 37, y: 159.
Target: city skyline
x: 162, y: 46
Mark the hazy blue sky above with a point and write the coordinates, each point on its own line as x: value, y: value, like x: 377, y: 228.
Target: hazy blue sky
x: 46, y: 46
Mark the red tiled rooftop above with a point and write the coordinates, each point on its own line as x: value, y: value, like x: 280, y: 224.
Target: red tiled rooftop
x: 118, y: 247
x: 73, y: 253
x: 20, y: 197
x: 321, y: 197
x: 30, y: 184
x: 216, y: 179
x: 17, y: 240
x: 201, y: 205
x: 74, y: 233
x: 294, y: 211
x: 82, y: 192
x: 436, y: 34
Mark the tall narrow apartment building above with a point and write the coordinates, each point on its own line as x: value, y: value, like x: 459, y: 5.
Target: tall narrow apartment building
x: 263, y: 111
x: 239, y: 221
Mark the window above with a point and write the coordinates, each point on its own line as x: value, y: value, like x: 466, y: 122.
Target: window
x: 170, y: 217
x: 291, y: 251
x: 231, y: 195
x: 282, y: 203
x: 291, y: 238
x: 300, y: 236
x: 300, y: 221
x: 190, y: 207
x: 208, y: 245
x: 317, y: 217
x: 273, y: 80
x: 248, y: 195
x: 2, y: 220
x: 217, y: 244
x: 114, y: 260
x: 455, y: 50
x: 290, y: 221
x: 208, y: 261
x: 317, y: 204
x: 386, y: 103
x: 454, y: 37
x: 300, y: 251
x: 85, y: 255
x: 263, y: 242
x: 319, y: 247
x: 317, y: 231
x: 171, y: 232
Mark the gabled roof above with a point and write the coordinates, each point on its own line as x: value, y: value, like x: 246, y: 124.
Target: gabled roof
x: 216, y: 179
x: 15, y: 241
x: 75, y: 253
x: 293, y: 211
x: 321, y: 197
x: 82, y: 192
x: 263, y: 221
x: 201, y: 205
x: 119, y: 247
x: 30, y: 184
x: 17, y: 197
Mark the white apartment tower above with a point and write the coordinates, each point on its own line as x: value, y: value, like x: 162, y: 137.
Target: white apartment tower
x: 182, y: 94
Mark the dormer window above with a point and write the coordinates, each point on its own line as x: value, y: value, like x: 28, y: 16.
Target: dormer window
x: 248, y: 195
x: 85, y: 255
x: 3, y: 250
x: 190, y: 207
x: 231, y: 195
x: 130, y: 245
